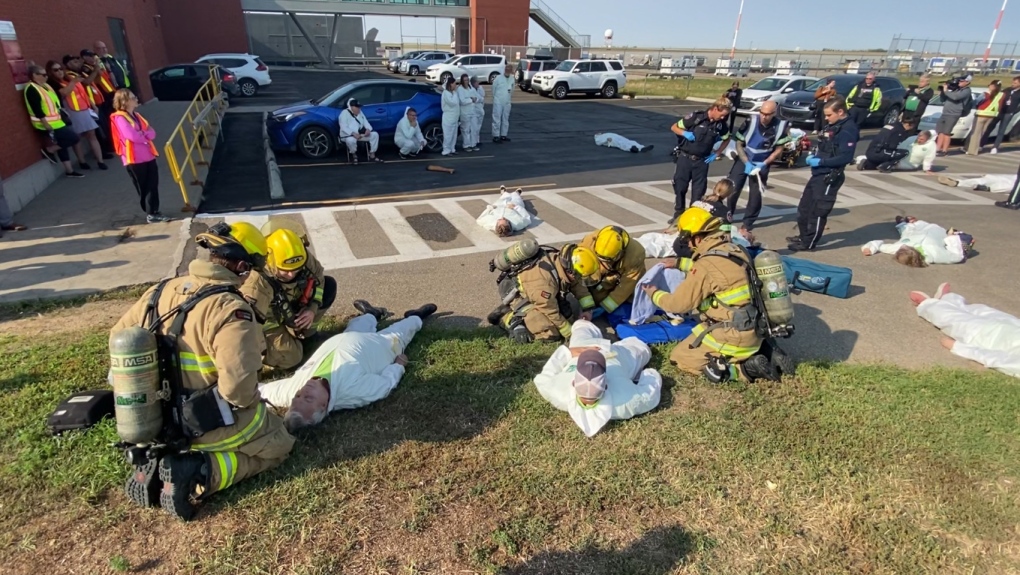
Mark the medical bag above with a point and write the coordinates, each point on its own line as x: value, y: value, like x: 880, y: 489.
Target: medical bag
x: 807, y: 275
x: 81, y: 411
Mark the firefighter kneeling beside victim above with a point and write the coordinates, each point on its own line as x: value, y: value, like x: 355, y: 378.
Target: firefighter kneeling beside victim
x: 184, y: 367
x: 621, y: 266
x: 534, y: 284
x: 723, y: 286
x: 290, y: 297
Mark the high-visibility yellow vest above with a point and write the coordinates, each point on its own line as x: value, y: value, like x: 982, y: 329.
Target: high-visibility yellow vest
x: 123, y: 70
x: 992, y: 109
x: 122, y: 146
x: 51, y: 107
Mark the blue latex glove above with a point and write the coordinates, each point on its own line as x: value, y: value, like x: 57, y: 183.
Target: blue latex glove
x: 711, y: 158
x: 689, y: 136
x: 748, y: 167
x: 759, y: 165
x: 813, y: 161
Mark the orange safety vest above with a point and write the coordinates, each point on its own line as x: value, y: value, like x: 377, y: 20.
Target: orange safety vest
x: 50, y: 104
x: 124, y: 147
x: 103, y: 80
x: 96, y: 96
x: 79, y: 99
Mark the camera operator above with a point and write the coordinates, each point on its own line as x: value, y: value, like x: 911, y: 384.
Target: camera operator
x: 917, y: 99
x: 956, y: 97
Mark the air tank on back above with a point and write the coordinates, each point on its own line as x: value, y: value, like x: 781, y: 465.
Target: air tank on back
x: 518, y: 252
x: 775, y: 290
x: 134, y: 366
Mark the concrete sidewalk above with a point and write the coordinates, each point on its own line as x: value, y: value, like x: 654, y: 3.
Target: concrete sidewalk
x: 88, y: 235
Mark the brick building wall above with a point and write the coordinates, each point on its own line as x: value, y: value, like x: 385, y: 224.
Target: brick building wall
x: 499, y: 22
x: 202, y: 27
x: 48, y: 30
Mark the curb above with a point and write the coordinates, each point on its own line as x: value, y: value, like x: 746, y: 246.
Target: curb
x: 273, y: 169
x: 655, y: 97
x: 702, y: 100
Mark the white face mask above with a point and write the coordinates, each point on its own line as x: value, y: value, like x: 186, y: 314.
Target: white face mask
x: 590, y: 418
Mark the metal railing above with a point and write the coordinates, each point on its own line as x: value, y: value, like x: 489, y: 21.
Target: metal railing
x: 197, y: 131
x: 583, y: 40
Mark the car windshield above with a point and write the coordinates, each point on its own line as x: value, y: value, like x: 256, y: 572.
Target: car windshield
x: 451, y: 59
x: 329, y: 97
x: 566, y: 66
x: 769, y: 84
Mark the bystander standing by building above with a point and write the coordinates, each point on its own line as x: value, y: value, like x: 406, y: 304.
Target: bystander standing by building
x: 133, y: 139
x: 49, y: 119
x: 79, y: 108
x: 104, y: 88
x: 1007, y: 111
x: 986, y: 112
x: 956, y: 96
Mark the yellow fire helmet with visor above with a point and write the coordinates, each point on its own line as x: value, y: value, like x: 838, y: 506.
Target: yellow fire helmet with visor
x: 610, y: 243
x: 286, y: 250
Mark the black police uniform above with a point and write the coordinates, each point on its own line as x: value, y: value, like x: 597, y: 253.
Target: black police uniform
x: 1013, y: 201
x: 756, y: 138
x: 836, y: 145
x: 883, y: 152
x: 861, y: 108
x: 691, y: 169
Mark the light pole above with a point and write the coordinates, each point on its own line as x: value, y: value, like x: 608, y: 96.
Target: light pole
x: 740, y: 14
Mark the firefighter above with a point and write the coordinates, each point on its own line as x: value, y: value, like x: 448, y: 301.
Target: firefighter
x: 536, y: 304
x: 725, y: 345
x: 621, y: 265
x: 864, y: 99
x: 697, y: 134
x: 232, y: 434
x: 290, y: 297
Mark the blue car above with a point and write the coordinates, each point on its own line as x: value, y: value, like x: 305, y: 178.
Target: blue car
x: 313, y: 127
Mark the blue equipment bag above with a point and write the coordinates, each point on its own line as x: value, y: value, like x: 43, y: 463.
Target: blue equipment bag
x: 662, y: 331
x: 816, y: 277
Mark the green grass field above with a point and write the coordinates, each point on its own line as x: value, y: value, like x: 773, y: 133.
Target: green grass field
x: 845, y: 469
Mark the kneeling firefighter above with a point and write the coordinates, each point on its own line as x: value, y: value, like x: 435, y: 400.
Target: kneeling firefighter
x: 184, y: 367
x: 534, y: 284
x: 621, y: 265
x: 723, y: 285
x: 289, y: 298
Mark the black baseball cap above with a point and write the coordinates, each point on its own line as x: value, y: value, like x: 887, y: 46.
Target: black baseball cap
x: 67, y: 58
x: 352, y: 102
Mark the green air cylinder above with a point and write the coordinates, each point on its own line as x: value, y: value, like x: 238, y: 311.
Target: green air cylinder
x: 775, y: 290
x: 520, y: 251
x: 135, y: 370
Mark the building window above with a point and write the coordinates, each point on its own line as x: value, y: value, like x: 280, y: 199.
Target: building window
x: 451, y: 2
x: 409, y: 1
x: 362, y: 1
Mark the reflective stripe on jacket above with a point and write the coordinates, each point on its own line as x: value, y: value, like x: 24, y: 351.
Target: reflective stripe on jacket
x: 51, y: 106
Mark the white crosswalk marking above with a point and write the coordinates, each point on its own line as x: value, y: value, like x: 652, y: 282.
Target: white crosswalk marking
x: 629, y: 205
x: 256, y: 220
x: 328, y: 241
x: 576, y: 210
x: 401, y: 234
x: 933, y: 184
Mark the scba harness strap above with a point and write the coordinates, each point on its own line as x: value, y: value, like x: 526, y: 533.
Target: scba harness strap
x: 743, y: 316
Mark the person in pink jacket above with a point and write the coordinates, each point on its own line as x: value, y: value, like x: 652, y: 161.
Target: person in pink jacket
x: 133, y: 141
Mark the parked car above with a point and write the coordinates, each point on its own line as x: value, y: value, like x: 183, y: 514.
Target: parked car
x: 485, y: 67
x: 421, y: 62
x: 526, y: 70
x: 773, y: 88
x: 394, y: 64
x: 605, y: 77
x: 797, y: 107
x: 250, y: 71
x: 313, y: 127
x: 183, y: 81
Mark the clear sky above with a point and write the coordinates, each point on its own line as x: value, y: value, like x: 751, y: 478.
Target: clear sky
x: 782, y: 24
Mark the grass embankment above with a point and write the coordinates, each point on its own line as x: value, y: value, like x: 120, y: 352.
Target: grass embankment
x: 715, y: 86
x: 845, y: 469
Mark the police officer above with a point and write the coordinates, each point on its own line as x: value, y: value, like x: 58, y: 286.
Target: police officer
x: 726, y: 344
x: 220, y: 350
x: 864, y: 99
x: 836, y: 145
x: 760, y: 142
x: 621, y: 265
x: 537, y: 306
x: 697, y: 134
x: 884, y: 152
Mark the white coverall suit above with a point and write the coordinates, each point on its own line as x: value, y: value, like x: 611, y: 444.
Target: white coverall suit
x: 408, y: 138
x: 930, y: 239
x: 349, y: 128
x: 451, y: 119
x: 358, y: 364
x: 467, y: 97
x: 996, y: 183
x: 623, y: 398
x: 509, y: 206
x: 617, y: 141
x: 478, y: 116
x: 502, y: 91
x: 983, y: 334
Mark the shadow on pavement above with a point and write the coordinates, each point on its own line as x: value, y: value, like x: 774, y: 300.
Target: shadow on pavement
x: 814, y: 340
x: 657, y: 552
x: 29, y: 274
x: 68, y: 247
x: 858, y: 237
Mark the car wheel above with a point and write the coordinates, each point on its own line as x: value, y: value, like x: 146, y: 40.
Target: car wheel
x: 433, y: 137
x: 248, y: 87
x: 493, y: 76
x: 891, y: 116
x: 445, y: 77
x: 560, y: 91
x: 414, y: 71
x: 315, y: 142
x: 609, y: 90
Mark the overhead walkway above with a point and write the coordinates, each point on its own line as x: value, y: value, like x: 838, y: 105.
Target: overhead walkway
x: 557, y: 27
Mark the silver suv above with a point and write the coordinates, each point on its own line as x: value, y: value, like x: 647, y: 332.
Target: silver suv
x: 526, y: 70
x: 415, y: 66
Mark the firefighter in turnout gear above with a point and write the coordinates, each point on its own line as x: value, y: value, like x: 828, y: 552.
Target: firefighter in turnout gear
x: 289, y: 298
x: 535, y: 295
x: 224, y: 433
x: 717, y: 287
x: 621, y: 265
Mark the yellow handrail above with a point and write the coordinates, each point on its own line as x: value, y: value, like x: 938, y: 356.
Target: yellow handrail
x: 197, y: 129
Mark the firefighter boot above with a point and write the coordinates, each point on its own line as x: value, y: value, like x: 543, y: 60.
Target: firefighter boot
x: 422, y: 312
x: 497, y: 314
x: 759, y: 367
x: 185, y: 477
x: 779, y: 358
x: 380, y: 313
x: 144, y: 486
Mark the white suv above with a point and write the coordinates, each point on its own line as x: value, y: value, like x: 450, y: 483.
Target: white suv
x: 485, y: 67
x: 605, y: 77
x: 251, y: 72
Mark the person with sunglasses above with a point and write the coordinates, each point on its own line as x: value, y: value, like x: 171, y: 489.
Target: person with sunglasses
x: 49, y: 119
x: 759, y: 144
x: 621, y: 266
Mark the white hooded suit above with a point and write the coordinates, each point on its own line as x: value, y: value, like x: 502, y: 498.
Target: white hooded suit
x: 350, y: 126
x: 930, y: 239
x: 408, y: 138
x: 451, y: 119
x: 502, y: 93
x: 509, y: 206
x: 983, y: 334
